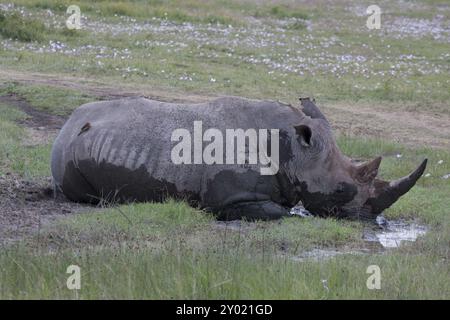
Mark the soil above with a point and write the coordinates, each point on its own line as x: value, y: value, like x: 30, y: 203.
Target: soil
x: 414, y: 129
x: 27, y: 205
x: 96, y: 88
x: 41, y: 127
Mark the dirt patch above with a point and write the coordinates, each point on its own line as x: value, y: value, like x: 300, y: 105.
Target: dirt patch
x: 424, y: 128
x: 411, y: 128
x: 100, y: 89
x: 26, y: 206
x: 36, y: 119
x: 41, y: 127
x: 39, y: 136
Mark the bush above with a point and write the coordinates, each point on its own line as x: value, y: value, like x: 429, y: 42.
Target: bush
x: 282, y: 12
x: 14, y: 26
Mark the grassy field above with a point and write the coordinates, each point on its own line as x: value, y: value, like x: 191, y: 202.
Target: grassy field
x: 386, y: 92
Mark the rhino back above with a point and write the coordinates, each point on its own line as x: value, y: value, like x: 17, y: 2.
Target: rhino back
x: 124, y: 146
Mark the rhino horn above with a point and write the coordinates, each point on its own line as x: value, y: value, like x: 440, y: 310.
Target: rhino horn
x: 311, y: 110
x: 386, y: 193
x: 366, y: 172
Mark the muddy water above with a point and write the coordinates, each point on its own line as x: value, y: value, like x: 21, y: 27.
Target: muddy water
x: 380, y: 237
x: 388, y: 235
x: 394, y: 233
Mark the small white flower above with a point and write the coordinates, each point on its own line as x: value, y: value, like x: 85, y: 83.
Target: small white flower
x: 325, y: 284
x: 399, y: 156
x: 440, y: 161
x: 427, y: 175
x: 212, y: 80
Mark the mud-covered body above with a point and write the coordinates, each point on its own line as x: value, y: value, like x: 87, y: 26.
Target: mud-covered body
x: 124, y: 154
x: 121, y: 151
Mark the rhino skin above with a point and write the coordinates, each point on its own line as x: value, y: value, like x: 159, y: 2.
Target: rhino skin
x: 120, y: 151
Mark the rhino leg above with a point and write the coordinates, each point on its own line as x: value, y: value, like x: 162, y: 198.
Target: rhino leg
x: 253, y: 210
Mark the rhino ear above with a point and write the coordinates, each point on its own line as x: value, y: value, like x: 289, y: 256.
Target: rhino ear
x: 304, y: 135
x: 368, y: 171
x: 310, y: 109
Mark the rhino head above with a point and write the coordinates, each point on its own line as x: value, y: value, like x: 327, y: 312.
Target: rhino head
x: 332, y: 184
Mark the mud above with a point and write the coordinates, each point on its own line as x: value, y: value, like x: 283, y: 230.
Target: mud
x: 385, y: 236
x: 26, y: 205
x: 36, y: 119
x: 395, y: 233
x: 378, y: 238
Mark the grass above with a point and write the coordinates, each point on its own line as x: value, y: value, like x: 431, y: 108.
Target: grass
x: 185, y: 12
x: 274, y: 51
x: 30, y: 161
x: 171, y: 251
x: 282, y: 12
x: 47, y: 98
x: 152, y: 224
x: 151, y: 52
x: 182, y: 273
x: 16, y: 27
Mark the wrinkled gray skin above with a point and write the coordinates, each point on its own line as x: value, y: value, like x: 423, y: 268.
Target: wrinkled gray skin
x: 121, y: 151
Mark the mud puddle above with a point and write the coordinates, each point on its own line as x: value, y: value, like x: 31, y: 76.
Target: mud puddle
x: 378, y: 239
x: 394, y: 233
x: 28, y: 205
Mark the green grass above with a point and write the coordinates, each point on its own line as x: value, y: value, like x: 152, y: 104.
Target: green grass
x: 16, y: 155
x: 16, y: 27
x: 182, y: 273
x: 287, y: 12
x: 178, y: 12
x: 29, y: 29
x: 28, y: 161
x: 153, y: 224
x: 51, y: 99
x: 233, y: 75
x: 171, y: 251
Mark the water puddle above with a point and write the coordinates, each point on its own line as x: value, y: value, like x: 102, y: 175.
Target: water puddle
x: 377, y: 239
x: 385, y: 235
x: 393, y: 233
